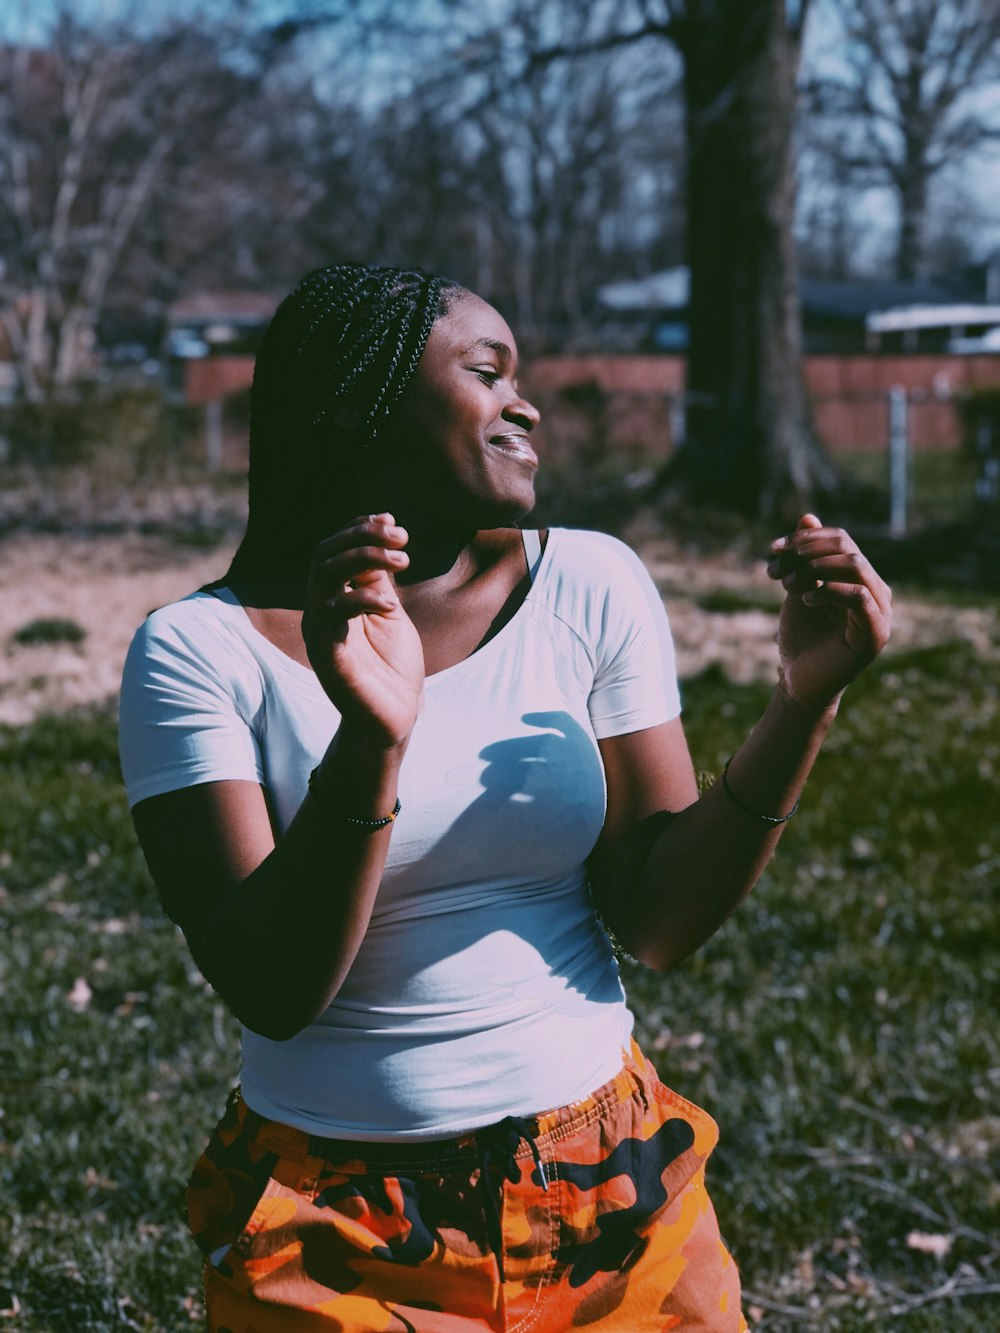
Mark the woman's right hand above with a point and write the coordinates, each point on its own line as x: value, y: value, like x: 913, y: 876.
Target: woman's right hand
x: 362, y: 645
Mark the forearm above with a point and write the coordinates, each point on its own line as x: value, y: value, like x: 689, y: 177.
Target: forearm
x: 706, y: 858
x: 278, y: 945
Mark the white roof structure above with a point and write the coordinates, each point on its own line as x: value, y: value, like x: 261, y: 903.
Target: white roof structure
x: 989, y: 342
x: 904, y: 318
x: 667, y: 290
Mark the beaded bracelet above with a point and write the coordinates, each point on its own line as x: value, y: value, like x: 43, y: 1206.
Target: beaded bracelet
x: 370, y: 825
x: 768, y: 819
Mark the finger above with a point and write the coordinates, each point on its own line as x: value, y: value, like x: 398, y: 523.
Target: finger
x: 807, y: 539
x: 797, y: 560
x: 850, y: 566
x: 361, y: 563
x: 339, y: 611
x: 863, y: 610
x: 845, y: 567
x: 814, y: 544
x: 369, y: 530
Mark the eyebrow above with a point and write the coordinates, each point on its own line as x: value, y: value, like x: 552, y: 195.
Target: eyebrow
x: 493, y: 345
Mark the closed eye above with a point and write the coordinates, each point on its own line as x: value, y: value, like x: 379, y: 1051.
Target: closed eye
x: 488, y: 374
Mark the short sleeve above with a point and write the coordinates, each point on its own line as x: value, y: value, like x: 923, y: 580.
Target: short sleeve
x: 635, y: 667
x: 187, y: 706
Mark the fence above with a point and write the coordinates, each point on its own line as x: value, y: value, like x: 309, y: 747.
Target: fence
x: 890, y: 407
x: 894, y: 421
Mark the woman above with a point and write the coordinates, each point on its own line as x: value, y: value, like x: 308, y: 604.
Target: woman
x: 382, y: 774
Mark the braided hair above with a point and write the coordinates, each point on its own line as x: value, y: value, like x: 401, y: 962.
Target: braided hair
x: 334, y: 362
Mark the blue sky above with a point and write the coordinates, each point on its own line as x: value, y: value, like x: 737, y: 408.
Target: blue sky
x: 971, y: 190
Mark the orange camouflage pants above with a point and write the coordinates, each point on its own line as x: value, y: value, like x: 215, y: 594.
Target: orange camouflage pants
x: 594, y: 1216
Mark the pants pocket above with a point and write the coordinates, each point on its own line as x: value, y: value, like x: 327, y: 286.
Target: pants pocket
x: 706, y: 1131
x: 229, y: 1187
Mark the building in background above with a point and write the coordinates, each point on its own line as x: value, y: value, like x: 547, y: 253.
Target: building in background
x: 650, y: 314
x: 211, y: 343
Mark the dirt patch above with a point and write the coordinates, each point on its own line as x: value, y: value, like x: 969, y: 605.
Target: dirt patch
x: 108, y: 584
x: 742, y: 643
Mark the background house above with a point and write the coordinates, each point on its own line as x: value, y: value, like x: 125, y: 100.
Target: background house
x: 650, y: 313
x: 211, y: 342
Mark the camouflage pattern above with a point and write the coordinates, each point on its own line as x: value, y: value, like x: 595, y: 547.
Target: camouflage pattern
x: 620, y: 1236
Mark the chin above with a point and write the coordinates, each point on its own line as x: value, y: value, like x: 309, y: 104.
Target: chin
x: 505, y: 513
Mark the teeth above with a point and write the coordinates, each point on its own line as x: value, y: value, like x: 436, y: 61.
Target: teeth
x: 515, y: 446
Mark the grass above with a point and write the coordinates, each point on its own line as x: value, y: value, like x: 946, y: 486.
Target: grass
x: 941, y: 481
x: 725, y: 601
x: 50, y: 629
x: 841, y: 1028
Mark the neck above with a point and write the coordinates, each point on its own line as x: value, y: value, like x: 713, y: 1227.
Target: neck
x: 434, y: 551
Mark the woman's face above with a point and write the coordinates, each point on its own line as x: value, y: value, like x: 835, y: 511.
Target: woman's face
x: 457, y: 443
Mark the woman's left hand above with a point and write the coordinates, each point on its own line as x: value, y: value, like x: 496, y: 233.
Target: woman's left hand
x: 836, y: 615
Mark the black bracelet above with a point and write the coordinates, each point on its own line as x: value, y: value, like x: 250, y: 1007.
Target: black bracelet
x: 370, y: 825
x: 768, y: 819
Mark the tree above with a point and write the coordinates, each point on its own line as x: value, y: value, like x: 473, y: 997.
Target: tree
x: 903, y: 100
x: 100, y: 130
x: 749, y: 445
x: 531, y: 182
x: 139, y: 160
x: 564, y: 151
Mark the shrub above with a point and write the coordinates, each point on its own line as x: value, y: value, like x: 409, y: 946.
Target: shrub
x: 979, y: 411
x: 52, y: 629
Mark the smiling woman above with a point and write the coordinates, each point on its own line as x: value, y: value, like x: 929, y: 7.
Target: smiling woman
x: 458, y: 447
x: 384, y: 773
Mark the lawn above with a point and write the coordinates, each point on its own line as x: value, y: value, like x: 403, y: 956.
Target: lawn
x: 941, y: 481
x: 842, y: 1028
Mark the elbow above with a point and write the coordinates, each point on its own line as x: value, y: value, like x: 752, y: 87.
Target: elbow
x: 657, y: 956
x: 660, y: 946
x: 262, y: 1026
x: 278, y: 1010
x: 265, y: 1014
x: 275, y: 1022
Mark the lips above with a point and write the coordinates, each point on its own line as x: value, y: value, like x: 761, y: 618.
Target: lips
x: 515, y: 446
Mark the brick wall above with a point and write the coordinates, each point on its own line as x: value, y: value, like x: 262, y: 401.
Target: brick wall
x: 850, y: 394
x: 216, y: 377
x: 635, y: 397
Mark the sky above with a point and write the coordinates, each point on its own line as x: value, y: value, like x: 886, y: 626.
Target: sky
x: 971, y: 190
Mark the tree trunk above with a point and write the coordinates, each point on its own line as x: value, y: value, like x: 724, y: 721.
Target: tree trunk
x: 749, y: 444
x: 912, y: 190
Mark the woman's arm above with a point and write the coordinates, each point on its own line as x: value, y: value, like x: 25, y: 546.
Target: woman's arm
x: 666, y: 883
x: 276, y: 926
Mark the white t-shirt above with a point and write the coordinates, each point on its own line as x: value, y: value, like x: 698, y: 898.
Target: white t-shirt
x: 484, y: 986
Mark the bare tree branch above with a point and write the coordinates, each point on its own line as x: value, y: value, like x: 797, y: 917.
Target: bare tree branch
x: 611, y: 41
x: 909, y: 97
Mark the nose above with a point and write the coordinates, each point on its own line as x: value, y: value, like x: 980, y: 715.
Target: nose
x: 522, y: 413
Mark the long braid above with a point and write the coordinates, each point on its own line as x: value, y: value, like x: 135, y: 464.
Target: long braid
x: 334, y: 362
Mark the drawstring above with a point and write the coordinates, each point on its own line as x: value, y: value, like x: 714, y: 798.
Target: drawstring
x: 499, y: 1146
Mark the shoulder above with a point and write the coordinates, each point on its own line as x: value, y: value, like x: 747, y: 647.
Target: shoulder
x: 598, y: 588
x: 194, y: 620
x: 594, y: 566
x: 597, y: 551
x: 198, y: 636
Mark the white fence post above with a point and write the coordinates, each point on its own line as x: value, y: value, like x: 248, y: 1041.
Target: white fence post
x: 899, y: 460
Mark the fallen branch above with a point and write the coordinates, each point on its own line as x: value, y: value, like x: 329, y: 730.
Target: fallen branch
x: 923, y: 1210
x: 795, y: 1311
x: 950, y: 1290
